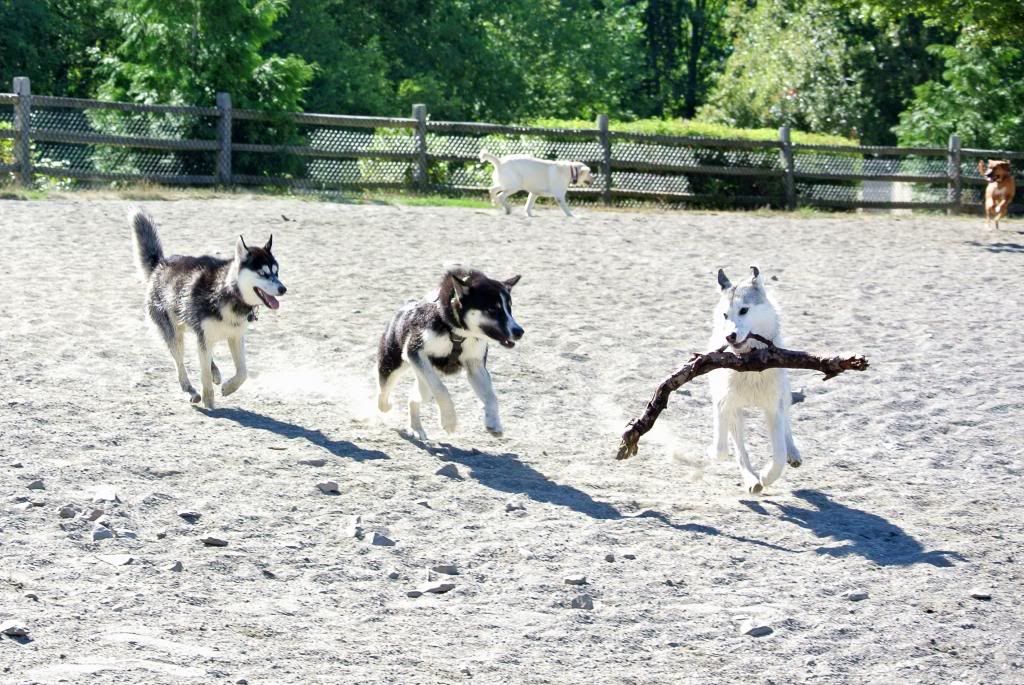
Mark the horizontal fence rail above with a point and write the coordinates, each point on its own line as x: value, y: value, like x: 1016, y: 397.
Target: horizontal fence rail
x: 75, y: 140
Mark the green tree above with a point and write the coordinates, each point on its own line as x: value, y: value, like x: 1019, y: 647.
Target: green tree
x: 790, y: 65
x: 187, y: 51
x: 980, y: 96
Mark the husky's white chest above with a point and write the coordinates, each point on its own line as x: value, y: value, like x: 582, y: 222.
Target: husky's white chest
x: 229, y: 325
x: 749, y: 388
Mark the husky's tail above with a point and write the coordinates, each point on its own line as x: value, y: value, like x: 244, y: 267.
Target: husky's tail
x: 486, y: 156
x: 148, y: 250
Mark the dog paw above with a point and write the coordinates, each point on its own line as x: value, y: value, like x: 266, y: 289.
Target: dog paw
x: 752, y: 484
x: 794, y: 460
x: 755, y: 488
x: 208, y: 398
x: 383, y: 404
x: 448, y: 420
x: 194, y: 397
x: 232, y: 385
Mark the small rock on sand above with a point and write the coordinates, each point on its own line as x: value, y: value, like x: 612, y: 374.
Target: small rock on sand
x: 355, y: 528
x: 414, y: 594
x: 36, y: 485
x: 105, y: 493
x: 449, y: 471
x: 176, y: 566
x: 115, y: 559
x: 22, y: 507
x: 214, y: 542
x: 328, y: 487
x: 583, y: 601
x: 68, y: 512
x: 125, y: 533
x: 576, y: 580
x: 447, y: 569
x: 101, y: 533
x: 13, y: 628
x: 515, y: 504
x: 189, y: 515
x: 982, y: 593
x: 394, y: 575
x: 609, y: 557
x: 94, y: 514
x: 438, y: 588
x: 755, y: 628
x: 381, y: 540
x: 856, y: 595
x: 313, y: 462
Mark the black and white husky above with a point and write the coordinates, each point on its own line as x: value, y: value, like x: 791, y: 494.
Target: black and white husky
x: 442, y: 336
x: 213, y: 298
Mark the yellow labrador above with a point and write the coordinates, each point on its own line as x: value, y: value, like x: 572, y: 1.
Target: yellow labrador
x: 538, y: 177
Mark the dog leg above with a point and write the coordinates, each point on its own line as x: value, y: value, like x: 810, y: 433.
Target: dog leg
x: 385, y: 384
x: 794, y: 458
x: 777, y: 436
x: 215, y: 371
x: 177, y: 347
x: 494, y: 192
x: 563, y: 204
x: 529, y: 204
x: 737, y: 429
x: 237, y: 346
x: 419, y: 392
x: 719, y: 448
x: 480, y: 380
x: 206, y: 372
x: 426, y: 374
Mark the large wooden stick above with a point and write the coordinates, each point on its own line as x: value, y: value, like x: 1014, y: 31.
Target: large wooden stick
x: 759, y: 359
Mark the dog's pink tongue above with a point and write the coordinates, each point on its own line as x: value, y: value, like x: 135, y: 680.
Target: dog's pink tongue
x: 271, y: 301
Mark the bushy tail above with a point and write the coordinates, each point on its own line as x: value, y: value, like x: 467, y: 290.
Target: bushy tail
x: 486, y: 156
x: 148, y: 250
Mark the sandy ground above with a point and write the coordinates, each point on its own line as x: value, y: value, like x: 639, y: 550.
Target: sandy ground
x: 910, y: 489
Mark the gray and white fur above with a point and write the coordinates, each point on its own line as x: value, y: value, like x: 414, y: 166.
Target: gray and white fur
x: 444, y: 334
x: 213, y: 298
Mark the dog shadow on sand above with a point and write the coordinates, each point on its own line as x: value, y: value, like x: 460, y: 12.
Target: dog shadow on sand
x: 339, y: 448
x: 860, y: 532
x: 1012, y: 248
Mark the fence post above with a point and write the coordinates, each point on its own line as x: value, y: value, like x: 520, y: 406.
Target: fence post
x: 788, y: 166
x: 22, y: 129
x: 419, y: 113
x: 606, y: 158
x: 224, y: 138
x: 955, y: 175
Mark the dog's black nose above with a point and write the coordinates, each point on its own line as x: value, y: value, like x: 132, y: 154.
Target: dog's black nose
x: 731, y: 338
x: 281, y: 290
x: 517, y: 332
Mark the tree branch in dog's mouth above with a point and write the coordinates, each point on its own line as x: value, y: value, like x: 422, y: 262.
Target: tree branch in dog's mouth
x: 759, y: 359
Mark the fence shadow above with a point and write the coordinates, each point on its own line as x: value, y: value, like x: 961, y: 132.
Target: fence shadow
x: 865, y: 534
x: 339, y: 448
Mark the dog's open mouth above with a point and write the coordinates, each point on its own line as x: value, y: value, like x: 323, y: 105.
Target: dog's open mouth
x: 267, y: 298
x: 507, y: 342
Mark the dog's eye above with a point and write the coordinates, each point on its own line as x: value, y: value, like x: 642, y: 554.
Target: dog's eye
x: 744, y: 311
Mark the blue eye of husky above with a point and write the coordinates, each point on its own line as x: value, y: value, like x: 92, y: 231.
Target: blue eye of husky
x: 744, y: 311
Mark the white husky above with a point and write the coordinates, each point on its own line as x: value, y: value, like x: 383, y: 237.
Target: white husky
x: 744, y: 309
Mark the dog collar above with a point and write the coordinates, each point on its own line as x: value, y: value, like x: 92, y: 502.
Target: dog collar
x: 453, y: 356
x: 574, y: 173
x: 253, y: 314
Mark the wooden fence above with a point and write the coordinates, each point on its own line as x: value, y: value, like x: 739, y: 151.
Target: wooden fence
x: 70, y: 140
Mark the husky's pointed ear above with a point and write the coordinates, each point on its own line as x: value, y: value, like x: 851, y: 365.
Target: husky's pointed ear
x: 241, y: 249
x: 723, y: 280
x: 270, y: 241
x: 756, y: 279
x: 510, y: 283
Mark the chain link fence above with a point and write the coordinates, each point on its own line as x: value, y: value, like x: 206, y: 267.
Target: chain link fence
x: 71, y: 141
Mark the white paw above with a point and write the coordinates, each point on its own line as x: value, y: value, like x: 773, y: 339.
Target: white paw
x: 383, y: 403
x: 208, y: 398
x: 752, y: 484
x: 494, y: 427
x: 418, y: 432
x: 232, y: 385
x: 795, y: 460
x: 194, y: 397
x: 448, y: 419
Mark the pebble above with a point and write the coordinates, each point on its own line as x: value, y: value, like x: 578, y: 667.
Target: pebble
x: 755, y: 628
x: 214, y: 542
x: 576, y: 580
x: 101, y: 533
x: 115, y: 559
x: 33, y: 596
x: 105, y: 493
x: 328, y: 487
x: 68, y: 512
x: 36, y: 485
x: 124, y: 533
x: 609, y: 557
x: 313, y: 462
x: 13, y: 628
x: 176, y: 566
x: 414, y: 594
x: 161, y: 534
x: 94, y: 514
x: 381, y: 540
x: 982, y: 593
x: 515, y: 505
x: 22, y: 507
x: 856, y: 595
x: 189, y: 515
x: 629, y: 556
x: 447, y: 569
x: 17, y: 465
x: 583, y: 601
x: 438, y: 588
x: 449, y: 471
x: 355, y: 528
x: 394, y: 575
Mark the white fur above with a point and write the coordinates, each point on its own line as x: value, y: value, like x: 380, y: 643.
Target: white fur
x: 732, y: 391
x: 538, y: 177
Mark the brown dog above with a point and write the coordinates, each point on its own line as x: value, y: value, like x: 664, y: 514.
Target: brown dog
x: 1000, y: 190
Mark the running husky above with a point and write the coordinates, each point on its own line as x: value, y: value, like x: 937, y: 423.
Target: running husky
x: 444, y: 335
x: 744, y: 309
x: 212, y: 297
